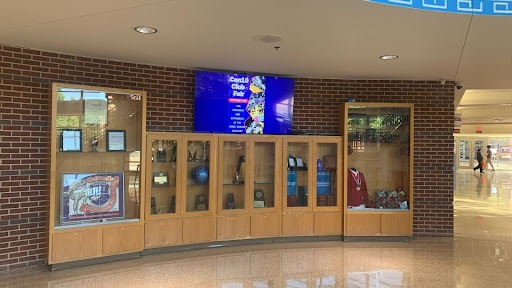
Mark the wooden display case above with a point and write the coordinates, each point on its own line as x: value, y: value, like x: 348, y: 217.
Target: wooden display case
x: 310, y: 206
x: 378, y: 194
x: 96, y: 176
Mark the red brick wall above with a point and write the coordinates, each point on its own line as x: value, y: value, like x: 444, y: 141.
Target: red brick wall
x: 25, y: 77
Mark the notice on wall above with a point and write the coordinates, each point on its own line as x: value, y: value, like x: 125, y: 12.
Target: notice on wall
x: 457, y: 123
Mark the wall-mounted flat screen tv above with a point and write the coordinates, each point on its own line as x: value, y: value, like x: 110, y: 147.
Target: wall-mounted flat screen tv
x: 243, y: 104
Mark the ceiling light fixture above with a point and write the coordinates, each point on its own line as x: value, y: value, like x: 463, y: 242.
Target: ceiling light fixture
x: 268, y: 38
x: 388, y: 57
x: 145, y: 30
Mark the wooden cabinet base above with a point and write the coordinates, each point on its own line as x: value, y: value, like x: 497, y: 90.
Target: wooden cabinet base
x: 79, y: 245
x: 327, y: 223
x: 298, y: 224
x: 122, y: 240
x: 233, y: 227
x: 163, y: 233
x: 396, y: 224
x: 197, y: 230
x: 363, y: 224
x: 265, y: 225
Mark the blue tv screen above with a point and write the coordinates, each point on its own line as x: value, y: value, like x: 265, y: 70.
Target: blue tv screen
x: 243, y: 104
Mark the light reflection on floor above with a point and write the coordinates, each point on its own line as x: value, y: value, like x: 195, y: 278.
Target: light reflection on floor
x: 478, y: 256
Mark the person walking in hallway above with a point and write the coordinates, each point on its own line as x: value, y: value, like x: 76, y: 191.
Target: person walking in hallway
x: 489, y: 156
x: 480, y: 159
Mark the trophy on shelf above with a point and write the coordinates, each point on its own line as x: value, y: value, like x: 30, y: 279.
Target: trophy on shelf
x: 204, y: 157
x: 173, y: 204
x: 153, y: 205
x: 259, y: 198
x: 161, y: 156
x: 231, y: 201
x: 201, y: 203
x: 239, y: 174
x: 94, y: 144
x: 172, y: 152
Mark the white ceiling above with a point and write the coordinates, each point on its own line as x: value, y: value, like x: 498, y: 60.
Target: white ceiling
x: 331, y: 39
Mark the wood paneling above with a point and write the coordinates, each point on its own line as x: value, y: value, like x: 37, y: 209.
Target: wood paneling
x: 328, y: 223
x: 122, y: 239
x: 197, y: 230
x: 75, y: 246
x: 163, y: 233
x: 265, y: 225
x: 396, y: 224
x: 298, y: 224
x: 363, y: 224
x: 233, y: 227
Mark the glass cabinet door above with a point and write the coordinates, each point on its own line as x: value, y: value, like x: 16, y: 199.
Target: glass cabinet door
x: 297, y: 177
x: 234, y: 175
x: 326, y: 174
x: 163, y: 175
x: 378, y: 157
x: 264, y: 175
x: 198, y: 175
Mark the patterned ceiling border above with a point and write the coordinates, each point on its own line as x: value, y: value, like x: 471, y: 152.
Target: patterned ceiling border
x: 477, y: 7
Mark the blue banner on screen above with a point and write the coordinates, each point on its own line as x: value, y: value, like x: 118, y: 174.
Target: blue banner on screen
x: 243, y: 104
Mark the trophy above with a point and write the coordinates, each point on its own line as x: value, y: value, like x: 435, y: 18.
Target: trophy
x: 173, y: 152
x: 153, y: 205
x: 161, y: 156
x: 201, y: 203
x: 94, y: 144
x: 173, y: 204
x: 259, y: 198
x: 231, y: 201
x: 239, y: 174
x: 204, y: 157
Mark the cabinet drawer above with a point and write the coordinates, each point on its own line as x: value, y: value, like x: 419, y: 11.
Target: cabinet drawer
x: 396, y: 224
x: 71, y: 246
x: 233, y: 227
x: 197, y: 230
x: 298, y: 224
x: 162, y: 233
x: 122, y: 240
x: 363, y: 224
x: 328, y: 223
x: 265, y: 225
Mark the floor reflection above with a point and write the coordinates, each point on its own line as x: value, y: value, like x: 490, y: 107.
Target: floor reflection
x: 478, y: 256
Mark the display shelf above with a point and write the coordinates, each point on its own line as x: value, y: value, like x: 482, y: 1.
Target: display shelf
x: 96, y: 194
x: 378, y: 161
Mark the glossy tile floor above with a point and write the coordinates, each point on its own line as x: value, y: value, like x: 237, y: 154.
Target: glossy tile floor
x: 476, y: 257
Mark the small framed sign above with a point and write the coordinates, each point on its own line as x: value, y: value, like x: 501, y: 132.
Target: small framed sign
x: 116, y: 140
x: 71, y: 140
x: 160, y: 179
x: 300, y: 164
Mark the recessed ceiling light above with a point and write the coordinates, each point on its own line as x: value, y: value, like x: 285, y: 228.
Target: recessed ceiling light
x: 268, y: 38
x: 388, y: 57
x: 506, y: 104
x: 145, y: 30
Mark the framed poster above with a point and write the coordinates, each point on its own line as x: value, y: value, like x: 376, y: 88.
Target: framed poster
x: 71, y: 140
x: 95, y: 109
x: 91, y: 196
x: 116, y: 140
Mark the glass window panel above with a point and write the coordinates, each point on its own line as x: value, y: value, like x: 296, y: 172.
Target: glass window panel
x: 163, y: 176
x: 198, y: 172
x: 234, y: 175
x: 95, y: 185
x: 378, y: 157
x: 264, y: 174
x: 326, y: 174
x: 297, y: 175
